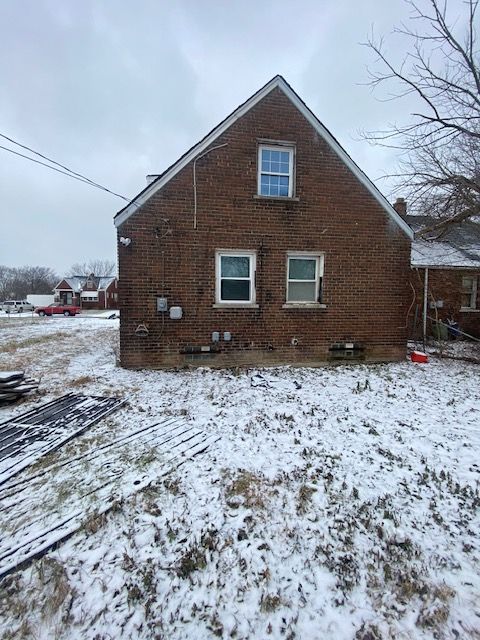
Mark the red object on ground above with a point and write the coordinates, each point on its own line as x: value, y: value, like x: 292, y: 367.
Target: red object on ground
x: 419, y: 356
x: 65, y: 309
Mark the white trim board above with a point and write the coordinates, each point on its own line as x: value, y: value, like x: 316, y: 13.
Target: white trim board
x: 280, y: 83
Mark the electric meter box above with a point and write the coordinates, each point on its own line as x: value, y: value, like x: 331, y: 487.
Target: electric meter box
x: 162, y: 305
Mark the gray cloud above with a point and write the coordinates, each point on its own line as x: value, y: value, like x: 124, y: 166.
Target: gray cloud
x: 120, y: 89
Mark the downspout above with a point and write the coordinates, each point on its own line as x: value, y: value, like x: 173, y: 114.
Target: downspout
x: 425, y: 301
x: 195, y: 180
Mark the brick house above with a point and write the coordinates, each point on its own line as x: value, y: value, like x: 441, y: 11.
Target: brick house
x: 88, y: 292
x: 447, y: 265
x: 264, y: 243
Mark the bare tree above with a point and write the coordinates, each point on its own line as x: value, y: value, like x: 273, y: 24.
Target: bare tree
x: 6, y: 278
x: 35, y: 279
x: 18, y: 282
x: 98, y: 267
x: 439, y: 168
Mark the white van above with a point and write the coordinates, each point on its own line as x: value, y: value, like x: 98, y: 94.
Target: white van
x: 16, y: 306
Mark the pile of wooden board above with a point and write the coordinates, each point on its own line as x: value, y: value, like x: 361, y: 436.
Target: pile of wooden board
x: 14, y: 385
x: 29, y: 436
x: 37, y: 513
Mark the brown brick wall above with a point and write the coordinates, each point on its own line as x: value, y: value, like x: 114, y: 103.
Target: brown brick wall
x: 111, y: 303
x: 446, y: 285
x: 366, y: 255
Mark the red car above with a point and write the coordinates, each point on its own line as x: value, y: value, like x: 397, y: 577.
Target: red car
x: 65, y: 309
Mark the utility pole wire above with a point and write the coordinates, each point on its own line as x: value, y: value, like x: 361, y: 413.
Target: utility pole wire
x: 68, y: 172
x: 37, y: 153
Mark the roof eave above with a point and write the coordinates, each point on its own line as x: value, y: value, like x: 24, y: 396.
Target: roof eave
x: 446, y: 266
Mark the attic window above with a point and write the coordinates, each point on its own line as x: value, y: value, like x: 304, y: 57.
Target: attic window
x: 275, y: 171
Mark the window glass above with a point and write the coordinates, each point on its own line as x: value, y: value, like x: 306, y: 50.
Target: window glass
x: 469, y: 292
x: 304, y: 278
x: 301, y: 291
x: 235, y: 275
x: 235, y: 290
x: 275, y: 171
x: 235, y: 266
x: 274, y: 185
x: 302, y: 268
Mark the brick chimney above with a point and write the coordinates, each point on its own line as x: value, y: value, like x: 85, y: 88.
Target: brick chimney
x: 400, y: 207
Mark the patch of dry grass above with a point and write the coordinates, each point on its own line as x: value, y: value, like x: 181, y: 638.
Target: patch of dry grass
x: 270, y: 602
x: 13, y: 345
x: 247, y: 488
x: 196, y: 555
x: 53, y: 576
x: 81, y: 381
x: 94, y: 522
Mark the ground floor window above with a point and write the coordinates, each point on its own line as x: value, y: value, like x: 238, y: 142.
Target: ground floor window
x: 235, y: 277
x: 304, y: 278
x: 469, y: 292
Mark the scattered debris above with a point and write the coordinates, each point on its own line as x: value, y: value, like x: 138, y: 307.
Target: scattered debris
x: 14, y: 385
x: 258, y: 380
x: 31, y: 435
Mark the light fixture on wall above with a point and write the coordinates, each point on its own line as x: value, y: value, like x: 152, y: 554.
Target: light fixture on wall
x: 125, y: 241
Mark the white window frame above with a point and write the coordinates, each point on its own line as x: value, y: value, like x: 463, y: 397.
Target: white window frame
x: 89, y: 297
x: 276, y: 147
x: 473, y: 292
x: 319, y: 267
x: 252, y: 256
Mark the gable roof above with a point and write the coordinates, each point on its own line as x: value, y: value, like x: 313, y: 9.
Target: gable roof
x: 457, y: 247
x: 58, y: 286
x: 280, y: 83
x: 77, y: 283
x: 105, y: 281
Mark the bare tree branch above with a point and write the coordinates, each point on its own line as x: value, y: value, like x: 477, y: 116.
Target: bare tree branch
x: 439, y: 164
x: 98, y: 267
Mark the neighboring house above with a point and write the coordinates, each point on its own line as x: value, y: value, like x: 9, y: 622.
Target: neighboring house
x: 264, y: 243
x: 88, y: 292
x: 448, y: 262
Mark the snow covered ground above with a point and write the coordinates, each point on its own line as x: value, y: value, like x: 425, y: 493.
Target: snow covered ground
x: 339, y: 503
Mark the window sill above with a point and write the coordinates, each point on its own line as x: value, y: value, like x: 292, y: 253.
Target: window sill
x: 277, y: 198
x: 226, y: 305
x: 304, y: 305
x: 468, y: 310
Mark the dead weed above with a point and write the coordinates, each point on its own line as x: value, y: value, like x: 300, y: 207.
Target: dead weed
x: 249, y: 487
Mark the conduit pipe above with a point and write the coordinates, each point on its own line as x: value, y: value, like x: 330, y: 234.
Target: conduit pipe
x: 425, y: 304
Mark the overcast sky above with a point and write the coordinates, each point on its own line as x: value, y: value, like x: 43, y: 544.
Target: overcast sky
x: 119, y: 89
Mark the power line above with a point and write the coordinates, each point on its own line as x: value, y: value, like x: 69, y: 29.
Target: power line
x: 49, y: 159
x: 68, y: 172
x: 22, y: 155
